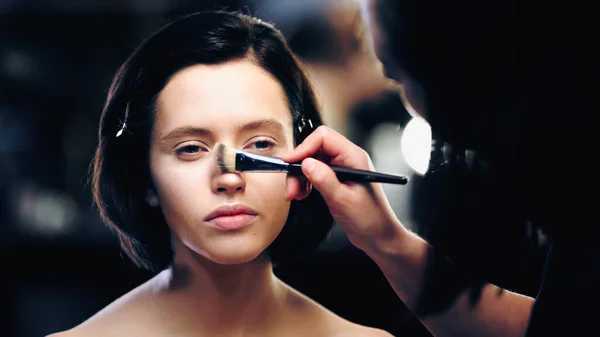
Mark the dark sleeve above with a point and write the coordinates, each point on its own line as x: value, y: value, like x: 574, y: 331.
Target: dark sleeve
x: 568, y: 303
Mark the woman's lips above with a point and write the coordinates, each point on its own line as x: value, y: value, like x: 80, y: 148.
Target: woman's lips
x: 232, y: 222
x: 231, y: 217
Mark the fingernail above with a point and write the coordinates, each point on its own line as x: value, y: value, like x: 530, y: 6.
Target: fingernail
x: 309, y: 165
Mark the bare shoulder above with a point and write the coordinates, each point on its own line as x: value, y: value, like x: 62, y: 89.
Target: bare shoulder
x: 318, y: 321
x: 360, y: 331
x: 120, y: 318
x: 63, y: 334
x: 349, y: 329
x: 77, y: 332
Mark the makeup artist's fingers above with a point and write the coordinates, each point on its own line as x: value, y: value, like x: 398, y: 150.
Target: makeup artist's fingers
x: 361, y: 210
x: 323, y: 138
x: 323, y: 179
x: 327, y: 142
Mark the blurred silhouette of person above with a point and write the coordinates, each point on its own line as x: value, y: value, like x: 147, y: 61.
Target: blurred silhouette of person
x: 512, y: 83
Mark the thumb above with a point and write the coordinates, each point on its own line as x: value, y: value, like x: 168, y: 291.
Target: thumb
x: 322, y: 178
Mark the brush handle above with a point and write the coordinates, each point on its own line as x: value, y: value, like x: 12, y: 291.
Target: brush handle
x: 359, y: 176
x: 251, y: 162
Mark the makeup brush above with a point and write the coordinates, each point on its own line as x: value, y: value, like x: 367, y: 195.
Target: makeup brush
x: 232, y: 160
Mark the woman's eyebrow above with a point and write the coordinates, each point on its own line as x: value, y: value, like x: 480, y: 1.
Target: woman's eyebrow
x: 189, y: 130
x: 185, y: 131
x: 270, y: 124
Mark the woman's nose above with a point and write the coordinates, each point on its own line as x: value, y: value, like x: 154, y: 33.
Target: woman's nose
x: 228, y: 183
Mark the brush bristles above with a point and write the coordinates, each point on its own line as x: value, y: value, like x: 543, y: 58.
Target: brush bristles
x: 225, y: 158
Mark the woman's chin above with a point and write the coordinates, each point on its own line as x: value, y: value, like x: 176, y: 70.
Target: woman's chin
x: 233, y: 259
x: 229, y: 250
x: 231, y: 255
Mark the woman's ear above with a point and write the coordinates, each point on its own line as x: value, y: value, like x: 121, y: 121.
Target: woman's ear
x: 297, y: 188
x: 152, y: 198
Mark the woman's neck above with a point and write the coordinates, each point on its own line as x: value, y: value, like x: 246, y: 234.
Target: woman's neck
x: 222, y: 299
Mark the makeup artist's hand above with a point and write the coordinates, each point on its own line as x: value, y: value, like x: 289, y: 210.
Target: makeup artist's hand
x: 361, y: 210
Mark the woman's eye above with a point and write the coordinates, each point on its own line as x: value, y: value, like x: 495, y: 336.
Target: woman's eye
x: 263, y: 144
x: 189, y: 150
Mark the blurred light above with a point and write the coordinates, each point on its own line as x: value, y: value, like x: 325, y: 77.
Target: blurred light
x: 18, y: 64
x: 46, y: 212
x: 416, y: 144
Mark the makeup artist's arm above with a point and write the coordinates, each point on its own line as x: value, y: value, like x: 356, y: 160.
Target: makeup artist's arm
x: 364, y: 213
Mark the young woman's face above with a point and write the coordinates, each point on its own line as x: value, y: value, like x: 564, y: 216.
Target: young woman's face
x: 244, y: 107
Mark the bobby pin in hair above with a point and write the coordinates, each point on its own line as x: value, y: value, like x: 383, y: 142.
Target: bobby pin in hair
x: 124, y: 122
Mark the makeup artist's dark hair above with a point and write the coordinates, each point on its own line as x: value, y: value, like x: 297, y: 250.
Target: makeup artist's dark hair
x: 121, y: 175
x: 502, y: 77
x: 319, y: 39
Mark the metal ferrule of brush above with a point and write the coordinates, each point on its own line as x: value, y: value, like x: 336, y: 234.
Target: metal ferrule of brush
x: 246, y: 161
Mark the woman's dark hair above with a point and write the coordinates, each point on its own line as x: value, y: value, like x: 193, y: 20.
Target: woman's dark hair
x: 121, y: 175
